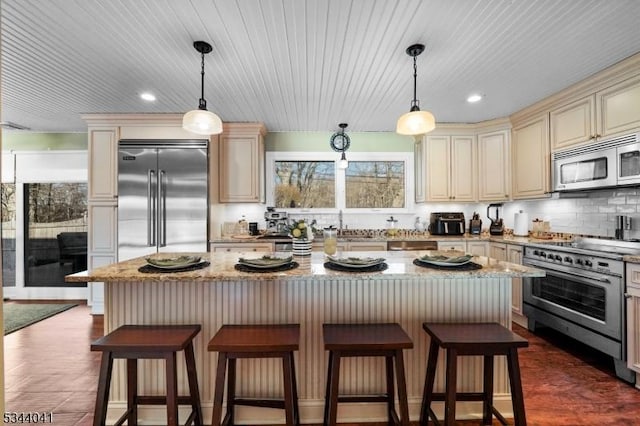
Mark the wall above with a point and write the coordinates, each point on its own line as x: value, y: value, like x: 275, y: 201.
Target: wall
x: 32, y: 141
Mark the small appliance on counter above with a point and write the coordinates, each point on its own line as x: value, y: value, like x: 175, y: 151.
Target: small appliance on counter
x: 475, y: 224
x: 446, y: 223
x: 277, y: 222
x: 496, y: 227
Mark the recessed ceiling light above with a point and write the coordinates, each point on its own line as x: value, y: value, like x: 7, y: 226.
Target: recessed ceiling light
x: 474, y: 98
x: 149, y: 97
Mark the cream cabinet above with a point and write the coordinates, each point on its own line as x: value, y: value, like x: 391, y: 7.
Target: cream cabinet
x: 103, y: 163
x: 241, y: 247
x: 419, y: 170
x: 514, y: 255
x: 618, y: 108
x: 633, y: 318
x: 459, y: 245
x: 478, y: 248
x: 573, y: 124
x: 451, y: 168
x: 366, y: 246
x: 608, y: 112
x: 531, y: 175
x: 498, y: 251
x: 241, y: 163
x: 494, y: 177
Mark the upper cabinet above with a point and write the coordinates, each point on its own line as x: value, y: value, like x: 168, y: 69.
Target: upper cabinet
x: 530, y: 161
x: 241, y: 163
x: 619, y: 108
x: 451, y: 168
x: 419, y: 171
x: 103, y: 163
x: 494, y: 177
x: 612, y: 111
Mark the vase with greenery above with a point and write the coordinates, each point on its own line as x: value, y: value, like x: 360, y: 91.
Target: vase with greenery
x: 302, y: 235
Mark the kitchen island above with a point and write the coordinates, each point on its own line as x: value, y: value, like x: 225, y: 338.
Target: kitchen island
x: 310, y: 295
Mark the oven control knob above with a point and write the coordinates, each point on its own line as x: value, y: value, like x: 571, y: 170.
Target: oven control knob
x: 558, y: 257
x: 578, y: 261
x: 588, y: 263
x: 568, y: 259
x: 536, y: 252
x: 542, y: 254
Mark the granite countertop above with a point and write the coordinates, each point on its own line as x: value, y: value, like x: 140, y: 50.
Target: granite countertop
x: 400, y: 265
x: 631, y: 259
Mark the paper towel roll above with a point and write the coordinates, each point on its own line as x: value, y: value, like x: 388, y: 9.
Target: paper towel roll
x: 521, y: 224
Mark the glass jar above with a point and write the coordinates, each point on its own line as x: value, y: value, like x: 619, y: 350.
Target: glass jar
x: 330, y: 244
x: 392, y: 227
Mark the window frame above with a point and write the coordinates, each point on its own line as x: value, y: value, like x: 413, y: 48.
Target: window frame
x: 340, y: 179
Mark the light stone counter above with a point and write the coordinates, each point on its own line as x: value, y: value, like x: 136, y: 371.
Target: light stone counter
x: 310, y: 296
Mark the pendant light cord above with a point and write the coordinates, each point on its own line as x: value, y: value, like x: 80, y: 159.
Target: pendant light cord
x: 203, y: 102
x: 414, y: 102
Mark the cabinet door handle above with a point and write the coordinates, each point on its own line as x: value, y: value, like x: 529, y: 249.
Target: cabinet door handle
x: 627, y: 296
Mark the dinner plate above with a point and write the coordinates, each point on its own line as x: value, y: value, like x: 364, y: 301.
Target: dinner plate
x: 441, y: 260
x: 356, y: 262
x: 265, y: 262
x: 173, y: 262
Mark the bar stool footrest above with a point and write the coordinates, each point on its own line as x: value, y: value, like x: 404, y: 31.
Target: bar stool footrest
x: 264, y: 403
x: 460, y: 396
x: 161, y: 400
x: 363, y: 398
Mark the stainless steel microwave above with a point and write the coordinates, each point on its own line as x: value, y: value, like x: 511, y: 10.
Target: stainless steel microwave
x: 610, y: 163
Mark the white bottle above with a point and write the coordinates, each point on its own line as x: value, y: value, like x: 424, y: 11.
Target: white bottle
x: 419, y: 226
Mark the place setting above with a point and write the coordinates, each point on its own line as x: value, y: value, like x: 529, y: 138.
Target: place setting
x: 454, y: 261
x: 182, y: 263
x: 266, y: 263
x: 356, y: 264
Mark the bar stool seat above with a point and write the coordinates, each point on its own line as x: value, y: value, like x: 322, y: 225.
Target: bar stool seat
x: 255, y: 341
x: 133, y: 342
x: 484, y: 339
x: 367, y: 340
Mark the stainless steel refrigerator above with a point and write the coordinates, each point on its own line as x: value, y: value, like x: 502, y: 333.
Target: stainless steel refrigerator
x: 162, y: 197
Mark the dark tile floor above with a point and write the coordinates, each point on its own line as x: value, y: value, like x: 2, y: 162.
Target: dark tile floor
x: 49, y: 368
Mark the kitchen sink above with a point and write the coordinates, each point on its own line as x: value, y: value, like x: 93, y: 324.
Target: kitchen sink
x: 411, y: 245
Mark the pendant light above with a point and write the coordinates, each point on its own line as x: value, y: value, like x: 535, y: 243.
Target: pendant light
x: 415, y: 122
x: 201, y: 121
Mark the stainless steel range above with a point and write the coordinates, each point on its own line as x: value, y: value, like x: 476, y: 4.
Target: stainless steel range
x: 582, y: 294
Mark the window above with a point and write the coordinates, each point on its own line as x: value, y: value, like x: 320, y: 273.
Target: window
x: 374, y: 182
x: 8, y: 235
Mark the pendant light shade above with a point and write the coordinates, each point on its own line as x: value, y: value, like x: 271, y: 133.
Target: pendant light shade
x: 415, y: 122
x: 200, y: 121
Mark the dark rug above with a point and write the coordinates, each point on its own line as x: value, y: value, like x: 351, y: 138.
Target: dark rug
x: 20, y: 315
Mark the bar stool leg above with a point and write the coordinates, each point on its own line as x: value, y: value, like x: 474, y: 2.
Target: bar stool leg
x: 172, y: 389
x: 390, y: 388
x: 517, y: 397
x: 132, y: 391
x: 327, y: 393
x: 332, y: 401
x: 430, y: 376
x: 219, y: 389
x: 487, y: 403
x: 450, y: 389
x: 102, y: 395
x: 294, y: 384
x: 289, y: 410
x: 402, y: 388
x: 231, y: 391
x: 192, y: 376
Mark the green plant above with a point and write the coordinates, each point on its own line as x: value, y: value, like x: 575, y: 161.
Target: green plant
x: 301, y: 230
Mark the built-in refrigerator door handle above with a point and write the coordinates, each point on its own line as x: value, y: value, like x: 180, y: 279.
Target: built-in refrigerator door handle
x: 162, y: 217
x: 151, y: 208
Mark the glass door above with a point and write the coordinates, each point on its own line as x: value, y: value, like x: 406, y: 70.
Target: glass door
x: 55, y: 229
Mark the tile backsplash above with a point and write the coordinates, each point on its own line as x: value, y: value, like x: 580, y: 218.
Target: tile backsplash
x: 588, y: 213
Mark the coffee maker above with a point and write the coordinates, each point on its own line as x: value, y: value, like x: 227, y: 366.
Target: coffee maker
x: 277, y: 222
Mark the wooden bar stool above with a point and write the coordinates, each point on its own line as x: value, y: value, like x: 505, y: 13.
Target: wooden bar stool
x: 255, y: 341
x: 359, y: 340
x: 133, y: 342
x: 485, y: 339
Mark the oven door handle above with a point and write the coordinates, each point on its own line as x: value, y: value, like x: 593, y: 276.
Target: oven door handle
x: 583, y: 276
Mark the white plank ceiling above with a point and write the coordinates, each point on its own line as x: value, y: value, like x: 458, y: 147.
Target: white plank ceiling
x: 301, y: 64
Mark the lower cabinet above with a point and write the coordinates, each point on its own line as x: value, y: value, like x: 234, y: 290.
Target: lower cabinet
x: 511, y: 253
x: 478, y: 248
x: 452, y: 245
x: 241, y: 247
x: 633, y: 319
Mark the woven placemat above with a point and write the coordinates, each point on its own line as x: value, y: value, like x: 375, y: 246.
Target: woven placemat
x: 469, y: 266
x: 286, y: 267
x: 150, y: 269
x: 375, y: 268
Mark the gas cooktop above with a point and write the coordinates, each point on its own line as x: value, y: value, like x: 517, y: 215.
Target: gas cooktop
x: 594, y: 246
